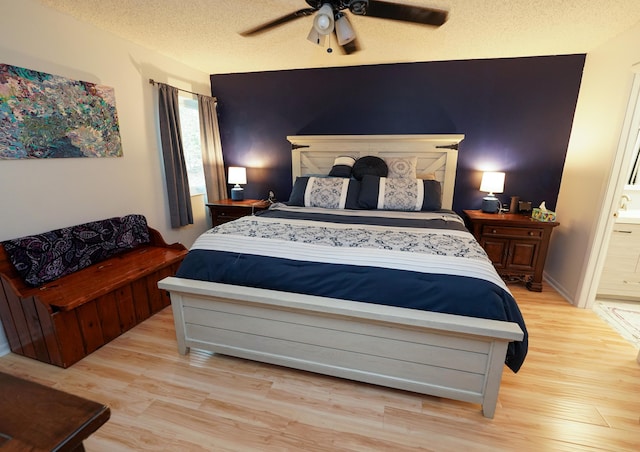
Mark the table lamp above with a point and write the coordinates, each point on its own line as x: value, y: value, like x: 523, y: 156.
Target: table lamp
x: 237, y: 176
x: 492, y: 182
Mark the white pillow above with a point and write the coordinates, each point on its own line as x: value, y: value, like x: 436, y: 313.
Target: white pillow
x: 401, y: 167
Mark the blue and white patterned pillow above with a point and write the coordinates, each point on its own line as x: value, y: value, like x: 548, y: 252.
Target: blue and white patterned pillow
x: 326, y: 192
x: 399, y: 194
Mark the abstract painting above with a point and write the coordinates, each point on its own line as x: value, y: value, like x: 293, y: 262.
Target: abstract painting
x: 48, y: 116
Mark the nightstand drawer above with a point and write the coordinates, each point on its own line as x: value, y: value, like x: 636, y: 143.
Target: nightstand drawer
x: 231, y: 213
x: 227, y: 210
x: 506, y: 231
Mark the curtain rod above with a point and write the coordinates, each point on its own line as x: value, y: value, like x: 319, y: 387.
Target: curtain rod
x: 153, y: 82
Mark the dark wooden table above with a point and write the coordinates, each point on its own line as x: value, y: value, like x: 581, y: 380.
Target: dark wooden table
x: 34, y: 417
x: 516, y: 244
x: 226, y: 210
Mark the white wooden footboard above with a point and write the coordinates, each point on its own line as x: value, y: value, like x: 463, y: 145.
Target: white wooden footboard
x: 437, y: 354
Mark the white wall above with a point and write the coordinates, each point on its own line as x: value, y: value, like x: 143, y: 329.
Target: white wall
x: 40, y: 195
x: 602, y: 103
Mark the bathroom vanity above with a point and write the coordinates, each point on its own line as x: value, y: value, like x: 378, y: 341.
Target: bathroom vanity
x: 621, y: 273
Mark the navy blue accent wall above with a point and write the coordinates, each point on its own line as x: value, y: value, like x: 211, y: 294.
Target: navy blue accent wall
x: 516, y: 115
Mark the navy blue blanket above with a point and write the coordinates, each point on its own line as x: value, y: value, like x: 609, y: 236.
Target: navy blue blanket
x: 425, y: 261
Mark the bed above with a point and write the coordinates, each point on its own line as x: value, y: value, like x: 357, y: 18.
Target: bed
x: 406, y: 300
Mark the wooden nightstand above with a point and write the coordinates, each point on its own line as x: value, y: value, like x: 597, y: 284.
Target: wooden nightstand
x: 516, y: 244
x: 227, y: 210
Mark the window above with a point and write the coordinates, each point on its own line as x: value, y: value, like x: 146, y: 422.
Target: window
x: 190, y: 125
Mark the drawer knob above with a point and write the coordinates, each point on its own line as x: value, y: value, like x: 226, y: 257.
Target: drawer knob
x: 530, y: 232
x: 493, y: 231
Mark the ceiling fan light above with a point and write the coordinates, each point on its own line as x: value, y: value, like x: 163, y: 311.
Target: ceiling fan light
x: 316, y: 37
x: 323, y: 22
x: 344, y: 31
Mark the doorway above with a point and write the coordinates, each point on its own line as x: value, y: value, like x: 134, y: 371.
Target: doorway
x: 615, y: 293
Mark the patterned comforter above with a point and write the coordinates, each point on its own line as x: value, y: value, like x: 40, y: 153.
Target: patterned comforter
x: 417, y: 260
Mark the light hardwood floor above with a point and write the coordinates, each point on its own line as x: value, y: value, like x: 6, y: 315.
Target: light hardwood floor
x: 579, y: 389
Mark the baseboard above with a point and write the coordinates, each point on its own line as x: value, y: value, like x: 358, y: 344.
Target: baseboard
x: 558, y: 288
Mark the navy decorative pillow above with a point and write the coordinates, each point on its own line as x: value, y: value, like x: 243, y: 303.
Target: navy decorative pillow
x: 399, y: 194
x: 327, y: 192
x: 45, y: 257
x: 369, y: 165
x: 342, y: 166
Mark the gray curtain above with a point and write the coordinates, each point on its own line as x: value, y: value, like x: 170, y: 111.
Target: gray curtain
x: 211, y: 149
x: 175, y: 168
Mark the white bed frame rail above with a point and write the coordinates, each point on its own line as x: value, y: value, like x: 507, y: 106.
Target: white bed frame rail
x: 444, y: 355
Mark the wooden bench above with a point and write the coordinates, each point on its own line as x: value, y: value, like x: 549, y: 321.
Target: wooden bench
x: 66, y: 319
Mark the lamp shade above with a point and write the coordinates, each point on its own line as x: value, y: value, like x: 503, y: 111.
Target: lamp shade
x: 323, y: 22
x: 316, y: 37
x: 492, y: 182
x: 237, y: 175
x: 344, y: 31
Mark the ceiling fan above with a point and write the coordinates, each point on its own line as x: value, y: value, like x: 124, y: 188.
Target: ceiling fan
x: 329, y: 17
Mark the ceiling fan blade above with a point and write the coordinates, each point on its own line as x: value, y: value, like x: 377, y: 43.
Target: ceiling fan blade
x: 406, y: 13
x: 279, y: 21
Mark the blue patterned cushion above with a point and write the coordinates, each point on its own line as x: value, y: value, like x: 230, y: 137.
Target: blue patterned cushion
x: 45, y: 257
x: 330, y: 192
x: 327, y: 192
x: 399, y: 194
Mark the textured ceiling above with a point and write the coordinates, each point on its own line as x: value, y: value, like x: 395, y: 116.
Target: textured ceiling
x: 204, y: 33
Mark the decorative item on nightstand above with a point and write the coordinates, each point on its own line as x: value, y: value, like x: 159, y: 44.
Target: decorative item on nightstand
x: 492, y: 182
x: 237, y: 176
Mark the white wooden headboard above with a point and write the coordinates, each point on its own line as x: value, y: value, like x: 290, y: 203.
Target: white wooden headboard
x: 437, y: 154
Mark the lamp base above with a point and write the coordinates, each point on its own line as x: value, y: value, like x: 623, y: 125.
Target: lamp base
x: 490, y: 204
x: 237, y: 193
